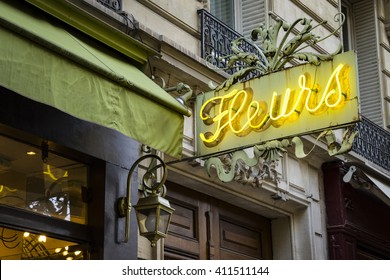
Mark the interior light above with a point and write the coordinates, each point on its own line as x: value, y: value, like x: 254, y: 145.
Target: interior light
x: 57, y: 250
x: 69, y: 258
x: 77, y: 253
x: 42, y: 238
x: 66, y: 248
x: 64, y: 253
x: 31, y: 153
x: 26, y: 234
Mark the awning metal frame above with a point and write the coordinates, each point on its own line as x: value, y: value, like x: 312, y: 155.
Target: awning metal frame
x: 363, y: 177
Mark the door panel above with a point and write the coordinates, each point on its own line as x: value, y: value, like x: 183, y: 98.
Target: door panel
x: 184, y: 221
x: 241, y: 234
x: 235, y: 237
x: 203, y: 227
x: 187, y: 233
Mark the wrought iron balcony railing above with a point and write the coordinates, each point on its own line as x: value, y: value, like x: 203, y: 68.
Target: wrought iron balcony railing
x: 216, y: 38
x: 373, y: 143
x: 115, y: 5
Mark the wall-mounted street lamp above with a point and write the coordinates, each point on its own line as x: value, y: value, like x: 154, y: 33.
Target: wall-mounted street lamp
x: 153, y: 216
x: 153, y: 210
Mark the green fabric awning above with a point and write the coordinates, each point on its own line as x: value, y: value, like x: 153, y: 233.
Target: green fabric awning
x: 44, y: 60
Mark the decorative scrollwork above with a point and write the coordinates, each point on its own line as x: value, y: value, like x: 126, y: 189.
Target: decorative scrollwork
x: 231, y: 165
x: 149, y: 180
x: 273, y: 56
x: 334, y: 147
x: 239, y: 167
x: 150, y: 183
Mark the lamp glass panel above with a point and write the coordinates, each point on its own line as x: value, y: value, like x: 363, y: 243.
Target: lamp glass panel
x: 147, y: 220
x: 164, y: 221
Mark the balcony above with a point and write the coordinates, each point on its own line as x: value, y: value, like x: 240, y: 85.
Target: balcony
x: 372, y: 142
x: 115, y: 5
x: 216, y: 38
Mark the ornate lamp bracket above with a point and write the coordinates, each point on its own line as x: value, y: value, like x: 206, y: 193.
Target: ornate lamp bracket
x: 152, y: 206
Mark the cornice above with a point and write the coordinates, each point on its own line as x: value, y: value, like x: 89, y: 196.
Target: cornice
x: 96, y: 28
x: 171, y: 18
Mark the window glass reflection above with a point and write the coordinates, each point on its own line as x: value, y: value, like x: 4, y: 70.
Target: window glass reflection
x: 50, y: 185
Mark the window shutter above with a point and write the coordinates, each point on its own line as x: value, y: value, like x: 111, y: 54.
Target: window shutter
x: 368, y: 67
x: 253, y: 13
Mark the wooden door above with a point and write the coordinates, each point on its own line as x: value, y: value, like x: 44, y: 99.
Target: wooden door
x: 203, y: 227
x: 187, y: 231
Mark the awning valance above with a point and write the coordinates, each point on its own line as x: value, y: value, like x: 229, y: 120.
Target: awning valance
x: 44, y: 60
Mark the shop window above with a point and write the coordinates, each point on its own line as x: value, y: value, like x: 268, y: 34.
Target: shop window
x: 36, y: 180
x: 19, y: 245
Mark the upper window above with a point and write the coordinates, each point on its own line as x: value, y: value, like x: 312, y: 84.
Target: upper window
x: 35, y: 180
x: 240, y: 15
x: 346, y: 29
x: 224, y: 11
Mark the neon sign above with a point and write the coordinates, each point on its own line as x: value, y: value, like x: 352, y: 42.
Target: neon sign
x: 286, y: 103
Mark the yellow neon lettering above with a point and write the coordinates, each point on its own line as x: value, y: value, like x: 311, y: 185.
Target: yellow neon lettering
x: 286, y: 112
x: 236, y: 111
x: 332, y: 91
x: 258, y: 115
x: 340, y: 82
x: 222, y: 101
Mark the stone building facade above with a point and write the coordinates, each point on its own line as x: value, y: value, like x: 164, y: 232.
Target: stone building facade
x: 313, y: 210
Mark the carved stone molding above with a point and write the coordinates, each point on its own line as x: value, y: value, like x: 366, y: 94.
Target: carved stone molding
x: 171, y: 18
